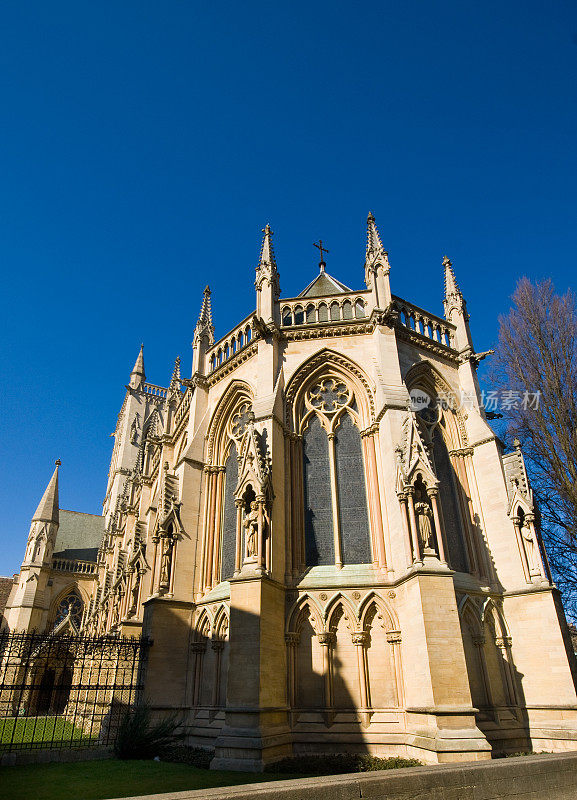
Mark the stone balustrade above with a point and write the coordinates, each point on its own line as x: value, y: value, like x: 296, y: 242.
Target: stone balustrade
x: 74, y: 565
x: 324, y: 310
x: 231, y: 344
x: 424, y: 323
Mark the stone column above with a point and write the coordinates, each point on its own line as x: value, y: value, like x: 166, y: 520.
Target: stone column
x: 413, y: 524
x: 361, y: 641
x: 479, y: 643
x: 218, y: 646
x: 326, y: 641
x: 394, y: 639
x: 239, y: 553
x: 378, y: 535
x: 504, y: 645
x: 292, y: 642
x: 217, y: 526
x: 198, y: 648
x: 433, y: 493
x: 405, y: 524
x: 335, y: 501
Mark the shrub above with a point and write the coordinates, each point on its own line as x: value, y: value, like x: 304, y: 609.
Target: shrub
x: 140, y: 737
x: 339, y: 763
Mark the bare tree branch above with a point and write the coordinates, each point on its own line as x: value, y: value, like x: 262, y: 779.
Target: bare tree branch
x: 537, y: 352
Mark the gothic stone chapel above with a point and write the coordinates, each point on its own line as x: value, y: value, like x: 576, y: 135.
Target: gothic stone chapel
x: 320, y: 566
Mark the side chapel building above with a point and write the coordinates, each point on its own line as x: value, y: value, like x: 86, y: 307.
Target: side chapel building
x: 320, y: 566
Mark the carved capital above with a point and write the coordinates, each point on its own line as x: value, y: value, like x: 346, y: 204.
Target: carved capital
x: 394, y: 637
x: 326, y: 638
x: 360, y: 638
x: 198, y: 647
x: 292, y: 639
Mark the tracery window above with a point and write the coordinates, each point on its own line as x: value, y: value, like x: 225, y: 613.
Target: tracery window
x: 72, y: 606
x: 336, y: 521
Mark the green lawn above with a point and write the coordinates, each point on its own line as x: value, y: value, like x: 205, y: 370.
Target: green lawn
x: 95, y: 780
x: 20, y: 730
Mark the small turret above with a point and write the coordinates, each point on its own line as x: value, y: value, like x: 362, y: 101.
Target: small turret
x: 138, y: 376
x: 456, y: 309
x: 267, y: 281
x: 45, y: 522
x: 203, y: 334
x: 377, y: 266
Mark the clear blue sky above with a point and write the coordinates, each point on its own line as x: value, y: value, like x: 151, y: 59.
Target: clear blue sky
x: 144, y: 145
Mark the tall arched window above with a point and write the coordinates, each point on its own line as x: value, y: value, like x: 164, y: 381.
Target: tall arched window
x: 335, y: 496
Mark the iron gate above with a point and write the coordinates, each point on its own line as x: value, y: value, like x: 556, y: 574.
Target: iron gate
x: 68, y: 690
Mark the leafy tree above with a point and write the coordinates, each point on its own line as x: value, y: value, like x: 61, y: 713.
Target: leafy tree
x: 537, y: 352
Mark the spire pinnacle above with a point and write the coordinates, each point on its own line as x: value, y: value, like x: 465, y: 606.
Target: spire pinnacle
x: 267, y: 258
x: 377, y: 265
x: 204, y: 324
x: 138, y: 376
x: 175, y: 380
x: 267, y: 271
x: 451, y: 286
x: 374, y: 243
x: 48, y: 508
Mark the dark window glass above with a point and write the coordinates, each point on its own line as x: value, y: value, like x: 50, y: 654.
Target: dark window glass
x: 353, y: 514
x: 319, y: 539
x: 450, y: 503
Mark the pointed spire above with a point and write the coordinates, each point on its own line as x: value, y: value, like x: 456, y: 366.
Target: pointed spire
x: 137, y: 376
x: 267, y: 269
x: 175, y: 380
x: 174, y: 387
x: 267, y: 250
x: 377, y: 265
x: 451, y: 286
x: 374, y: 243
x: 47, y: 510
x: 204, y: 325
x: 267, y: 281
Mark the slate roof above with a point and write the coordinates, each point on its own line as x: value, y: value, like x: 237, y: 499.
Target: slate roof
x: 79, y: 535
x: 5, y: 587
x: 323, y: 285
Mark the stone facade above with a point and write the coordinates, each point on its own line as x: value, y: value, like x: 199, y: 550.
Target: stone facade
x: 322, y: 562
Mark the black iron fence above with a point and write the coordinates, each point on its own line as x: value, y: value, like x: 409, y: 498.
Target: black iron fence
x: 67, y: 691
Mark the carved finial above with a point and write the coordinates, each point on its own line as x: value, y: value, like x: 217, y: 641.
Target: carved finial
x: 58, y: 463
x: 516, y: 444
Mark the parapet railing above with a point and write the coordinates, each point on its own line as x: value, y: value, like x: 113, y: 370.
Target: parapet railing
x: 424, y: 323
x: 231, y: 344
x: 183, y: 407
x: 157, y: 391
x: 318, y: 311
x: 74, y: 565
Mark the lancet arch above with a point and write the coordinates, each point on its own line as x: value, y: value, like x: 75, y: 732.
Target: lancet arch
x: 335, y: 500
x: 236, y: 393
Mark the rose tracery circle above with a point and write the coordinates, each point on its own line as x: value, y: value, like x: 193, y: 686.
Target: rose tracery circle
x: 329, y: 395
x: 240, y: 420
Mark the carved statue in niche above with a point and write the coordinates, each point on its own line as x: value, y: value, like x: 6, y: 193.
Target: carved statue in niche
x: 166, y: 562
x: 250, y: 524
x: 425, y: 526
x: 530, y: 547
x: 134, y: 593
